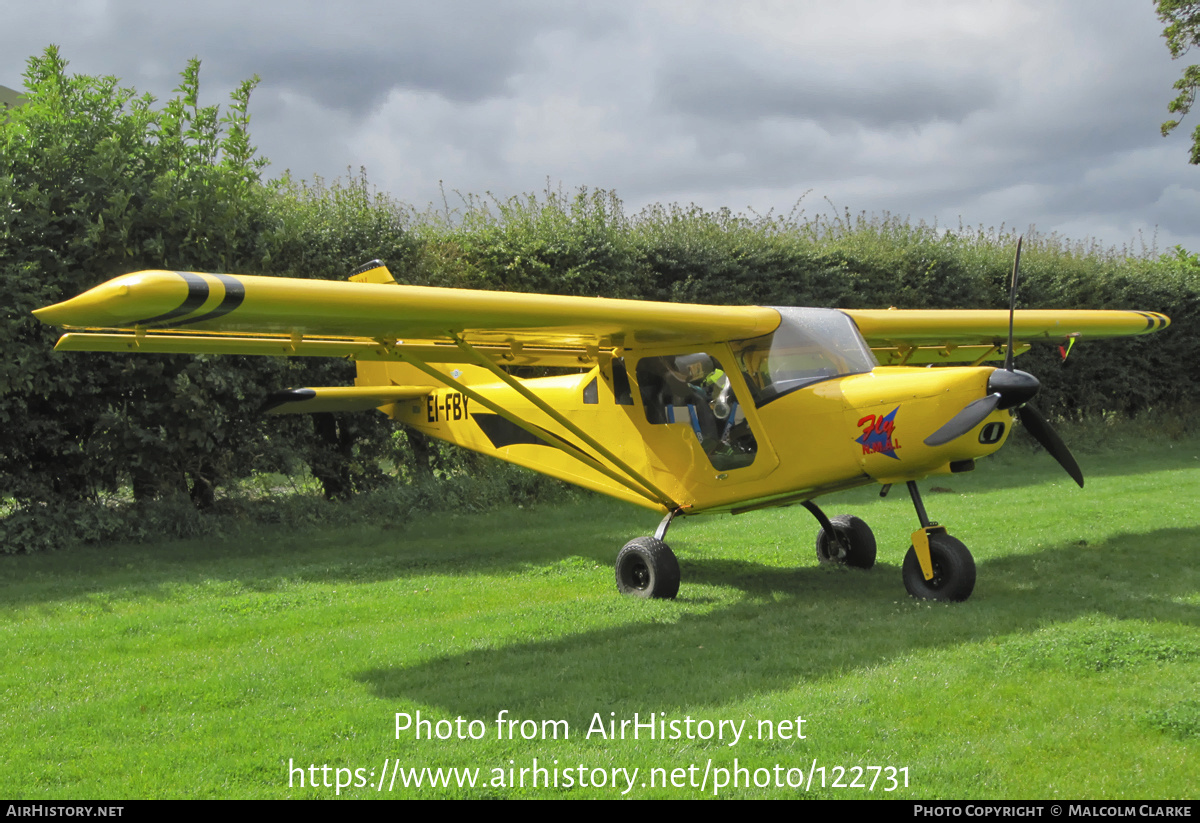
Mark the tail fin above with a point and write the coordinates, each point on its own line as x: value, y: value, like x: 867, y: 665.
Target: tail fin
x: 373, y: 272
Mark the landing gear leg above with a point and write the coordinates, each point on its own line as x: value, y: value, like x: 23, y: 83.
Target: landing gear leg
x: 937, y: 566
x: 661, y: 532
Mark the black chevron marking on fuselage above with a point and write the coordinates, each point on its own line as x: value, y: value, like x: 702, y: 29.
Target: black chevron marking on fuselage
x: 1154, y: 321
x: 235, y: 293
x: 198, y: 293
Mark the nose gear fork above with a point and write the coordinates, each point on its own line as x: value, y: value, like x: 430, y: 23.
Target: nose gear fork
x: 920, y: 538
x: 937, y: 566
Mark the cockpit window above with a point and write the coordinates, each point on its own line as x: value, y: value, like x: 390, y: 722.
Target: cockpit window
x: 693, y: 389
x: 809, y: 346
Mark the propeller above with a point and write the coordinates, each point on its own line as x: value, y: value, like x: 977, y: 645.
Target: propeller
x: 1009, y: 388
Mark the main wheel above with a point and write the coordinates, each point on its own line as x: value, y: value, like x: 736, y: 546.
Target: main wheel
x: 647, y: 567
x: 858, y: 534
x: 953, y: 570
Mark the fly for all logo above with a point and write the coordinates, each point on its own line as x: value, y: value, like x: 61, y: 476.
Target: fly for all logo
x: 878, y: 434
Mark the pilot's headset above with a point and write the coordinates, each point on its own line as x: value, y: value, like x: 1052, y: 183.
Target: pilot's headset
x: 693, y: 368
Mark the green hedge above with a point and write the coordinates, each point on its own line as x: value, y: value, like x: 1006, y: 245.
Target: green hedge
x: 96, y: 181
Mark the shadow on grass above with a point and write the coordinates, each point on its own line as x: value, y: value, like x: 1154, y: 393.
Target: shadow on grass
x: 266, y: 560
x: 794, y: 626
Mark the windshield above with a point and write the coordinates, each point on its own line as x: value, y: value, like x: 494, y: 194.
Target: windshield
x: 809, y: 346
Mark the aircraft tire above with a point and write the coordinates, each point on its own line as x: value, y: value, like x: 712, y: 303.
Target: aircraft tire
x: 953, y: 571
x: 647, y: 567
x: 862, y: 543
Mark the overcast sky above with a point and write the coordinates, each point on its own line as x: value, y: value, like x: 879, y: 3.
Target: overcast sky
x: 1019, y: 112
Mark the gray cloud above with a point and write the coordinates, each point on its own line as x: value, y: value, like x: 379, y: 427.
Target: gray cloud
x: 1011, y: 111
x: 345, y: 56
x: 874, y: 95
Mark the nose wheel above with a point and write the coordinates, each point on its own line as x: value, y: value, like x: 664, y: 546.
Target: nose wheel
x: 953, y: 571
x: 947, y: 570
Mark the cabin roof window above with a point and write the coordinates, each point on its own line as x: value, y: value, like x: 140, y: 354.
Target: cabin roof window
x: 809, y: 346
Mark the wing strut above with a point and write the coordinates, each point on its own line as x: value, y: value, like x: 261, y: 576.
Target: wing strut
x: 557, y: 417
x: 551, y: 439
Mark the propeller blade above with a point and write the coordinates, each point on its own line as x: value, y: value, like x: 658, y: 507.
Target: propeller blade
x: 1045, y: 434
x: 1012, y: 307
x: 971, y: 416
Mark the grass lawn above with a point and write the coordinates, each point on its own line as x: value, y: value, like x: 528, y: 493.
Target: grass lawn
x: 193, y: 669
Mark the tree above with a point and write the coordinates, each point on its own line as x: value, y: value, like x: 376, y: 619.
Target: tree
x: 1182, y: 20
x: 96, y: 180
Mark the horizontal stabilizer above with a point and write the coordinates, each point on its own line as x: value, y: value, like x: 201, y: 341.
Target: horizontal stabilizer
x: 341, y: 398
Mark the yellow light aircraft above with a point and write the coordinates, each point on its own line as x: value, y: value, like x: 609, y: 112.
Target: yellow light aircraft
x: 684, y: 409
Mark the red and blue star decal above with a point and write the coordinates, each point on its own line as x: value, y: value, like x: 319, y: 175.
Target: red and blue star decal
x: 878, y: 434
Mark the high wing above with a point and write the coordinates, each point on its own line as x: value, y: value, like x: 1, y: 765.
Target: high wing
x: 188, y: 312
x: 918, y: 337
x: 161, y: 311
